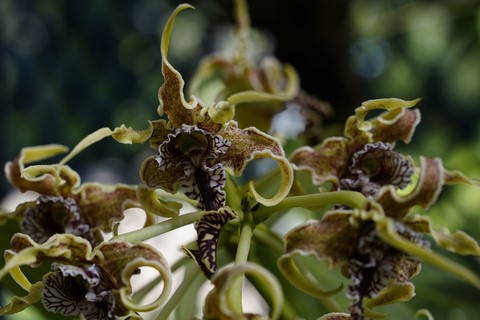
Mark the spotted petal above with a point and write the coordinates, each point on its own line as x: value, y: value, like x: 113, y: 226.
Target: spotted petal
x: 121, y: 260
x: 332, y: 238
x: 102, y: 207
x: 117, y: 259
x: 170, y: 95
x: 327, y: 162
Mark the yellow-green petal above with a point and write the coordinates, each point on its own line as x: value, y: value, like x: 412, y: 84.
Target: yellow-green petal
x: 297, y: 278
x: 152, y: 203
x: 393, y: 293
x: 386, y: 232
x: 249, y: 144
x: 219, y: 304
x: 18, y: 304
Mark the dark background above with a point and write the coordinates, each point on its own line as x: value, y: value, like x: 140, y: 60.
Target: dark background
x: 68, y: 68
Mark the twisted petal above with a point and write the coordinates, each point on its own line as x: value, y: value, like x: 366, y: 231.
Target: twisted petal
x: 218, y: 304
x: 44, y: 179
x: 18, y: 304
x: 361, y: 130
x: 425, y: 193
x: 170, y: 95
x: 388, y: 233
x: 458, y: 242
x: 249, y: 144
x: 394, y: 125
x: 152, y: 203
x: 121, y: 260
x: 395, y: 292
x: 208, y: 231
x: 117, y: 260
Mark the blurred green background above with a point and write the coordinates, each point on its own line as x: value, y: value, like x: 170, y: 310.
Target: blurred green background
x: 68, y: 68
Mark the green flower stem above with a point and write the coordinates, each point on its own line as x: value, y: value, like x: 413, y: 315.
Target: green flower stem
x: 233, y: 195
x: 159, y: 228
x: 246, y: 234
x: 352, y: 199
x: 191, y: 276
x: 243, y: 250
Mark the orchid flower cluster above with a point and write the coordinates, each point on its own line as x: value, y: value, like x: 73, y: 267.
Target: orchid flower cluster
x: 361, y: 190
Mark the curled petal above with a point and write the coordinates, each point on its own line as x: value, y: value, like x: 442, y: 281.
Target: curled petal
x: 122, y: 134
x: 357, y: 124
x: 425, y: 193
x: 425, y: 313
x: 208, y: 231
x: 130, y: 269
x: 458, y: 242
x: 60, y: 248
x: 395, y: 125
x: 121, y: 259
x: 387, y: 232
x: 18, y: 304
x: 246, y: 145
x: 44, y: 179
x: 115, y: 256
x: 129, y: 135
x: 152, y: 203
x: 102, y: 208
x: 218, y: 304
x: 290, y: 270
x: 249, y: 144
x: 286, y: 173
x: 393, y: 293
